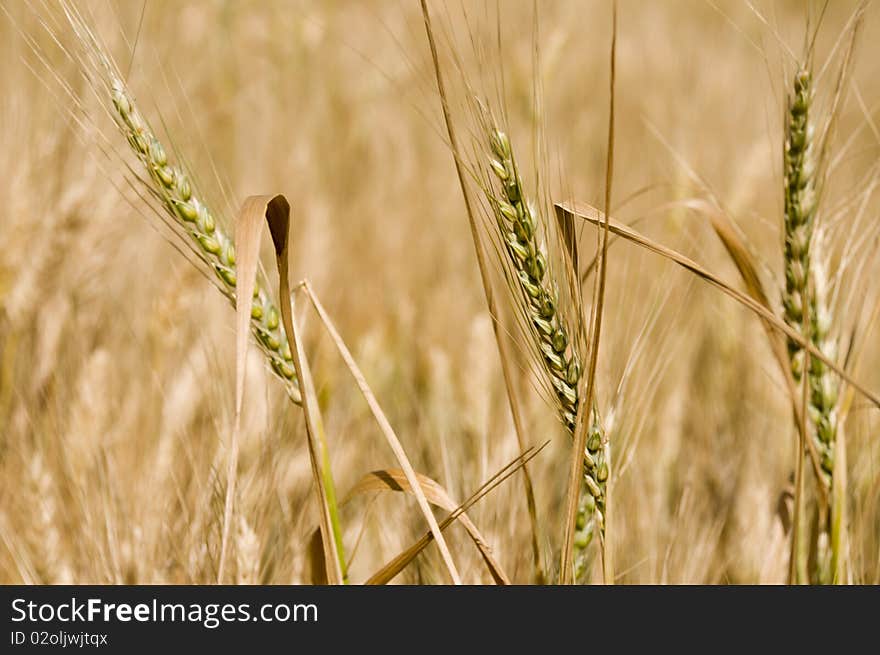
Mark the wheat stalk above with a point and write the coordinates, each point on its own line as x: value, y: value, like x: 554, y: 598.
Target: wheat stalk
x: 537, y: 292
x: 182, y: 207
x: 172, y: 187
x: 805, y: 294
x: 805, y: 298
x: 804, y: 272
x: 800, y: 209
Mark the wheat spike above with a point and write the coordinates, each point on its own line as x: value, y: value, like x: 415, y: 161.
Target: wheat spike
x: 172, y: 186
x: 520, y: 226
x: 804, y: 273
x: 800, y: 207
x: 806, y: 289
x: 183, y: 207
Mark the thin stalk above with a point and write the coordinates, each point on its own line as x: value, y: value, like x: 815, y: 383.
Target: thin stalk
x: 387, y: 431
x: 797, y: 572
x: 506, y: 367
x: 599, y: 297
x: 315, y: 429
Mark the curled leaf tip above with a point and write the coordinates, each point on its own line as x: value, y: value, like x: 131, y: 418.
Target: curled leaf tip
x: 278, y: 217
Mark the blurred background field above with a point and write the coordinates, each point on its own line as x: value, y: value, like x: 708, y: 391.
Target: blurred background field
x: 116, y: 366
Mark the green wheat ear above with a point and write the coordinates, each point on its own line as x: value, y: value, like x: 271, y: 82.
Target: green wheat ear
x: 800, y: 208
x: 806, y: 289
x: 180, y: 201
x: 520, y: 225
x: 804, y: 274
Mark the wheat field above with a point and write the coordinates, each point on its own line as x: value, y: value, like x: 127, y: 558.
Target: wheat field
x: 118, y: 362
